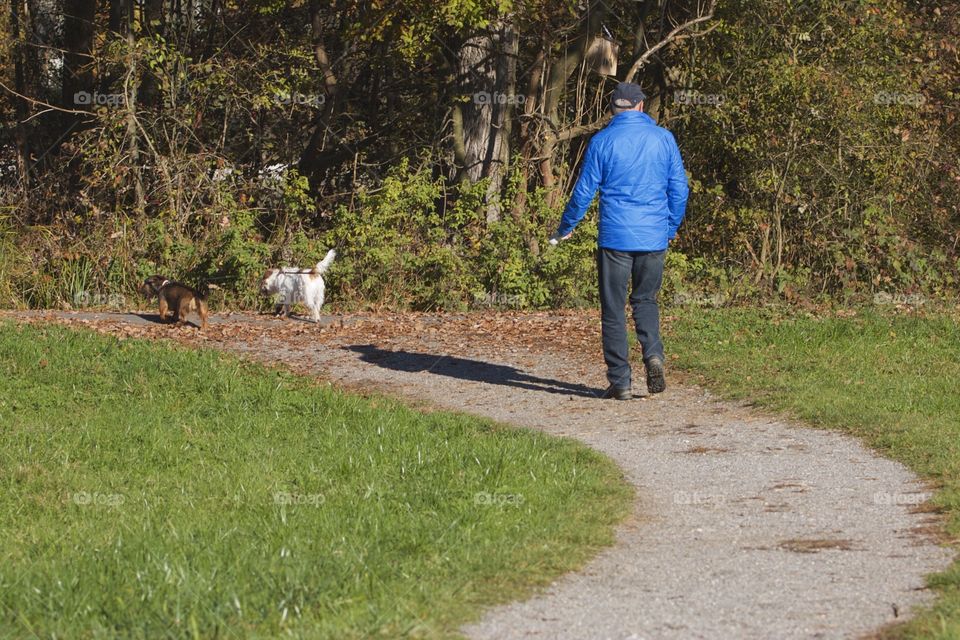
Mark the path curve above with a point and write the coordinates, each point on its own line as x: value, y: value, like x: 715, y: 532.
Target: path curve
x: 746, y: 526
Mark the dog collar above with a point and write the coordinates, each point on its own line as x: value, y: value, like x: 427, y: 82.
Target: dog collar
x: 164, y: 283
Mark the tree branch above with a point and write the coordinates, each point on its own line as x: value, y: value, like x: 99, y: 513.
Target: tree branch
x: 676, y: 35
x: 670, y: 37
x: 49, y: 107
x: 575, y: 132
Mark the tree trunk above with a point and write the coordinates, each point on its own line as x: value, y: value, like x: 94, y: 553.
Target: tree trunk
x: 78, y: 33
x: 528, y: 145
x: 152, y: 22
x: 309, y: 159
x: 152, y: 19
x: 503, y: 115
x: 21, y: 108
x: 120, y: 16
x: 487, y: 72
x: 131, y: 89
x: 560, y: 72
x: 477, y: 78
x: 43, y: 33
x: 20, y: 105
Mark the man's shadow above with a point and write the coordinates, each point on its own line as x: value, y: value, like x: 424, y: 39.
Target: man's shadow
x: 465, y: 369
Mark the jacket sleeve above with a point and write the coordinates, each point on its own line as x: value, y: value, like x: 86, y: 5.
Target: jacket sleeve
x: 677, y: 189
x: 584, y: 191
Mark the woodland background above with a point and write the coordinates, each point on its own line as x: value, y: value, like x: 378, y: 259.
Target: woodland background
x: 434, y: 144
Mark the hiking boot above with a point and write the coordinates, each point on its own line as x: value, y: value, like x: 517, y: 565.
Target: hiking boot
x: 614, y: 392
x: 656, y: 383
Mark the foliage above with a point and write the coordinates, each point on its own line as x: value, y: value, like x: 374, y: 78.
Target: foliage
x: 820, y: 168
x: 411, y: 243
x: 820, y: 137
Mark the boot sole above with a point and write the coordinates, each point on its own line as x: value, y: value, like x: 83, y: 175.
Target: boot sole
x: 626, y: 395
x: 656, y: 382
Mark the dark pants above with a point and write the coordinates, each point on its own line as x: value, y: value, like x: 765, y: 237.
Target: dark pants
x: 642, y: 272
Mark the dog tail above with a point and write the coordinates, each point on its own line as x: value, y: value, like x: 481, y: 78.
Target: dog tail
x: 324, y: 264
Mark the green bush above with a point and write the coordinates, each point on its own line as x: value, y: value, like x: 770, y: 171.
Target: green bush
x: 413, y: 244
x: 822, y: 170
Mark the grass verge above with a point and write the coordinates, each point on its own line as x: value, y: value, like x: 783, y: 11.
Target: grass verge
x: 890, y: 379
x: 154, y: 492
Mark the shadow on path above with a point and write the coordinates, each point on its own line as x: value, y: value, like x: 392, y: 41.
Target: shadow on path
x: 150, y: 317
x: 464, y: 369
x: 155, y: 319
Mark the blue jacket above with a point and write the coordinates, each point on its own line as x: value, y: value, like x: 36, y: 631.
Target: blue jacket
x: 637, y: 167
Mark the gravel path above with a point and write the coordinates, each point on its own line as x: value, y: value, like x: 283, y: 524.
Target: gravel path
x: 746, y: 526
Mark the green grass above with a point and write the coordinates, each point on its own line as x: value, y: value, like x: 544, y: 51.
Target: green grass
x: 154, y: 492
x: 891, y: 379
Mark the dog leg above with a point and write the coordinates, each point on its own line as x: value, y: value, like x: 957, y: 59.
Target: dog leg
x: 203, y: 312
x: 321, y: 296
x: 163, y: 309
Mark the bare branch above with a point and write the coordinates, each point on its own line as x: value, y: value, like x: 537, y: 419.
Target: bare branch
x: 582, y: 130
x: 676, y: 35
x: 49, y: 107
x: 670, y: 37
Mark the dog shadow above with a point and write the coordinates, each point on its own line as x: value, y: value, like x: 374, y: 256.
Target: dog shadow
x: 154, y: 318
x: 151, y: 317
x: 466, y: 369
x: 296, y: 317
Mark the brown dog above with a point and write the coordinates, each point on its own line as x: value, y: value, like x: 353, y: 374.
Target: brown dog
x: 175, y: 297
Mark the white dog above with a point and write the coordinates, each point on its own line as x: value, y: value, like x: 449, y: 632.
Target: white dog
x: 292, y: 285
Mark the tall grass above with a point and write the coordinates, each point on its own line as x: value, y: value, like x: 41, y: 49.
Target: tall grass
x: 149, y: 492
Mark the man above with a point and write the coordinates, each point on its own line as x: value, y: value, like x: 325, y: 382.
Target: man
x: 637, y: 167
